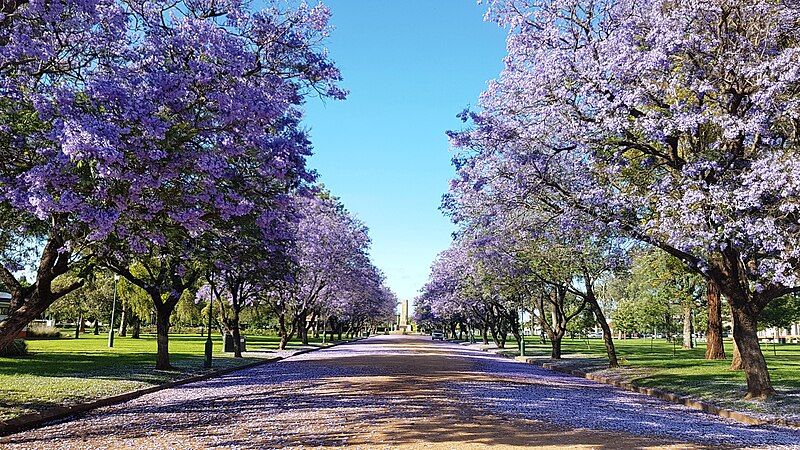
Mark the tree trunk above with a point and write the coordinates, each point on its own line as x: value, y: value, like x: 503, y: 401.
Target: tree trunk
x: 237, y: 334
x: 162, y: 338
x: 688, y: 342
x: 17, y: 320
x: 283, y: 332
x: 714, y: 347
x: 484, y: 337
x: 745, y: 334
x: 495, y: 337
x: 96, y: 326
x: 555, y: 343
x: 123, y: 323
x: 304, y: 332
x: 78, y: 327
x: 137, y: 328
x: 736, y: 361
x: 608, y: 339
x: 28, y: 303
x: 282, y: 344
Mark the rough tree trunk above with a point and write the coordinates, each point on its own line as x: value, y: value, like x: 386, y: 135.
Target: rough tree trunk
x: 78, y: 327
x: 736, y: 361
x: 688, y: 329
x: 714, y: 347
x: 123, y: 323
x: 137, y: 328
x: 608, y: 339
x: 162, y: 338
x: 28, y: 303
x: 555, y: 343
x: 16, y: 321
x: 237, y: 334
x: 283, y: 332
x: 745, y: 334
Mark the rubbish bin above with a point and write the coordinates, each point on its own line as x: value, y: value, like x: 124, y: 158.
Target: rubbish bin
x: 228, y: 343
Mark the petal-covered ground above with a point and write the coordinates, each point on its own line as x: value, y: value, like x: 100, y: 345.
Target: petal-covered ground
x: 398, y: 392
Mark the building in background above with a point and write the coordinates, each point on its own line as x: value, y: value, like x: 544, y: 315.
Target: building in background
x: 5, y: 304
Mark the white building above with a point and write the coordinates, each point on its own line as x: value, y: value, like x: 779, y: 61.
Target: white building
x: 5, y: 303
x: 791, y: 334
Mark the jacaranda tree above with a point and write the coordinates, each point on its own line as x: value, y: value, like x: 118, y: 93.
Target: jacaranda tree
x: 673, y: 122
x: 147, y: 125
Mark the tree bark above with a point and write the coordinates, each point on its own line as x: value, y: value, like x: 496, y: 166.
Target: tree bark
x: 736, y: 361
x: 123, y: 323
x: 688, y: 329
x: 78, y: 327
x: 237, y: 334
x: 304, y: 329
x: 286, y: 335
x: 29, y: 302
x: 17, y: 320
x: 137, y: 328
x: 162, y: 338
x: 745, y: 334
x: 714, y: 347
x: 555, y: 344
x: 608, y: 339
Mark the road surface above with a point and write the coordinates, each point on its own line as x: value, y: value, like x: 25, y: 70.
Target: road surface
x: 402, y: 392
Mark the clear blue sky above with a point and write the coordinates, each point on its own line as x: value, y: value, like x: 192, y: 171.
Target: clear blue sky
x: 410, y: 67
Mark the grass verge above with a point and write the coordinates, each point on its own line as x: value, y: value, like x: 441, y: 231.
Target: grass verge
x: 656, y: 363
x: 65, y: 372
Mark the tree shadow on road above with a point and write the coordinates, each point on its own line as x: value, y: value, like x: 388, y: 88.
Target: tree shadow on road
x: 395, y: 395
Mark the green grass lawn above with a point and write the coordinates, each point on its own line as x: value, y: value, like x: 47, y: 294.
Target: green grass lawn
x: 66, y: 371
x: 655, y: 364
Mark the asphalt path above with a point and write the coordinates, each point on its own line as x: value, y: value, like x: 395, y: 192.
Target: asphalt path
x: 403, y: 392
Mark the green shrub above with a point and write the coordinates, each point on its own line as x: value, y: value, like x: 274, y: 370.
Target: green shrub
x: 43, y: 332
x: 17, y: 347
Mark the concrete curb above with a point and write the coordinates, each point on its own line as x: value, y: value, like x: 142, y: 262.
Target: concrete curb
x: 672, y: 397
x: 59, y: 413
x: 699, y: 405
x: 664, y: 395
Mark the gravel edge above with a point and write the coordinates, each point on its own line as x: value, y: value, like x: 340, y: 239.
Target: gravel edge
x: 672, y: 397
x: 60, y: 413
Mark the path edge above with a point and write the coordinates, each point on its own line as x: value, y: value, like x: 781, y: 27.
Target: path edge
x: 661, y: 394
x: 62, y: 413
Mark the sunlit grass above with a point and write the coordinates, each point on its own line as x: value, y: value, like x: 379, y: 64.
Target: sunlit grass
x: 660, y: 364
x: 66, y: 371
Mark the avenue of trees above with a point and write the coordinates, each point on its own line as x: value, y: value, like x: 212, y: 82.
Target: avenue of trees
x: 631, y: 146
x: 161, y: 141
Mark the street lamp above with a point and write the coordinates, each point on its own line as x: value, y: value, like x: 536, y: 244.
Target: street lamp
x: 522, y: 332
x: 113, y: 309
x: 209, y: 343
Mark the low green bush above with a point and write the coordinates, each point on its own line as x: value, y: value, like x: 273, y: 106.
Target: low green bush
x: 43, y: 332
x: 17, y: 347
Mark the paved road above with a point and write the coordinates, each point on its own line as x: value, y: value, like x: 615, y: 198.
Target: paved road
x: 398, y: 392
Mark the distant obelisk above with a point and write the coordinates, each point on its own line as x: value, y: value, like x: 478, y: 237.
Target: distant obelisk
x: 404, y: 322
